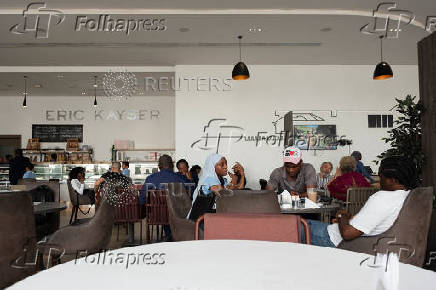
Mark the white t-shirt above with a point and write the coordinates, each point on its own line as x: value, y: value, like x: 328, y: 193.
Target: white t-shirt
x: 77, y: 186
x: 376, y: 216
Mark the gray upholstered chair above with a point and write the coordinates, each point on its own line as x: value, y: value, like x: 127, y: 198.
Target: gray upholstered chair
x: 76, y: 200
x: 17, y: 237
x: 248, y: 201
x: 179, y: 204
x: 91, y: 236
x: 408, y: 233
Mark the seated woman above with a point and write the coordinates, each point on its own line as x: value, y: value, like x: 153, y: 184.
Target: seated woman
x: 345, y: 177
x: 211, y: 182
x: 77, y: 178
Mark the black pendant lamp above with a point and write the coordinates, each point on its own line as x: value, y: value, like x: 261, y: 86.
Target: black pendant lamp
x: 383, y: 69
x: 25, y: 92
x: 95, y: 91
x: 240, y: 71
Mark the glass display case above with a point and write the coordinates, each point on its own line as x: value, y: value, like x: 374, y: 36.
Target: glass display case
x: 138, y: 171
x: 4, y: 173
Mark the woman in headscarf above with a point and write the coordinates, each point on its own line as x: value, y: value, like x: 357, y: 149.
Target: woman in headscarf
x: 210, y: 183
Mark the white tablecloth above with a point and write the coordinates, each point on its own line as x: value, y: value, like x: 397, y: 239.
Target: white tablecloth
x: 223, y: 265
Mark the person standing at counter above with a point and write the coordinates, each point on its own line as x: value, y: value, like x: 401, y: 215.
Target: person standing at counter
x: 17, y: 166
x: 125, y: 166
x: 294, y: 176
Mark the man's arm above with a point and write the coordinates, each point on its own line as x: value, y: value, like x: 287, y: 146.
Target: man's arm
x: 348, y: 232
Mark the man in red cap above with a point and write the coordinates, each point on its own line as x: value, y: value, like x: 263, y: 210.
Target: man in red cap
x: 294, y: 176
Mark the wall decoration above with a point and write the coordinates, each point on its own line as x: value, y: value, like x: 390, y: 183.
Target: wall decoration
x: 315, y: 137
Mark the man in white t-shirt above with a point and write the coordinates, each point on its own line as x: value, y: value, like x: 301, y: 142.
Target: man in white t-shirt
x: 397, y: 178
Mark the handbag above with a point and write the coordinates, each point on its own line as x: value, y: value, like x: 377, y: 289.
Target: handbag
x: 202, y: 204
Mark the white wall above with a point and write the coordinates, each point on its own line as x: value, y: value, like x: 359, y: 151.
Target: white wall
x: 252, y: 104
x: 151, y: 132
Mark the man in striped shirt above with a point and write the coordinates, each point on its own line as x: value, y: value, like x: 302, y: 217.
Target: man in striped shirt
x: 324, y: 177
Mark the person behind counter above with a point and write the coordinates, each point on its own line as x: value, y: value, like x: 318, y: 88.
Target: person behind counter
x: 294, y: 176
x: 29, y: 174
x: 125, y: 166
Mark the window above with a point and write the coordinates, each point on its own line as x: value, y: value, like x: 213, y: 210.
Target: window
x: 380, y: 121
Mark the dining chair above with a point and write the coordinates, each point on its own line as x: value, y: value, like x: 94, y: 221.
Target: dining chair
x: 247, y: 201
x: 260, y: 227
x: 17, y: 238
x: 179, y: 204
x: 129, y: 212
x: 407, y: 236
x: 156, y: 212
x: 77, y: 200
x: 357, y: 197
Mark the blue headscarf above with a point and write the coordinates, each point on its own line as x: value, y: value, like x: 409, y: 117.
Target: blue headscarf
x: 208, y: 172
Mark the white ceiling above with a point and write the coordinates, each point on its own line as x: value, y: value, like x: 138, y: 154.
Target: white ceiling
x: 291, y: 34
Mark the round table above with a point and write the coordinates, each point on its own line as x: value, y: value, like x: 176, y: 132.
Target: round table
x: 222, y: 264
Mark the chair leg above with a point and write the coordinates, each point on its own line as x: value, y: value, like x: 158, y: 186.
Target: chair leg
x: 140, y: 232
x: 147, y: 232
x: 74, y: 211
x: 77, y: 210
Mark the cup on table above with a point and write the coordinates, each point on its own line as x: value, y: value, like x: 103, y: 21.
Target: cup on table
x: 312, y: 194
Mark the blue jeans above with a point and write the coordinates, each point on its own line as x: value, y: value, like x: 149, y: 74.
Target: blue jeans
x: 318, y: 234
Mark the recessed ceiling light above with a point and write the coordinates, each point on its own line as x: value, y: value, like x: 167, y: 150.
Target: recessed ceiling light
x: 37, y: 86
x: 255, y: 29
x: 83, y: 93
x: 9, y: 85
x: 326, y: 29
x: 59, y: 76
x: 184, y: 29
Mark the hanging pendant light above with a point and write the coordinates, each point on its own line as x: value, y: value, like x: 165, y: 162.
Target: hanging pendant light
x: 25, y: 92
x: 95, y: 91
x: 383, y: 69
x: 240, y: 71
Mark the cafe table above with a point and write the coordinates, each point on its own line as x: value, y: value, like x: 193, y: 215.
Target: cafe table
x: 48, y: 207
x: 324, y: 210
x: 223, y: 264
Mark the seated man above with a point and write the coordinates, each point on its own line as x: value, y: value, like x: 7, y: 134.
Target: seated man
x: 324, y: 176
x: 397, y: 178
x: 294, y: 176
x: 115, y: 170
x: 360, y: 168
x: 159, y: 180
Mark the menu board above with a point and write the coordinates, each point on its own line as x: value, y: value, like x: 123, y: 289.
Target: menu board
x: 57, y: 133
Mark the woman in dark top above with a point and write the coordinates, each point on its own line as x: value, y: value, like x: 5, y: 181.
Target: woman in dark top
x: 345, y: 177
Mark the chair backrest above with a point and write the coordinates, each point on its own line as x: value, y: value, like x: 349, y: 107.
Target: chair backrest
x: 72, y: 193
x: 92, y: 236
x: 357, y: 197
x: 18, y: 237
x: 129, y: 211
x: 259, y: 227
x: 408, y: 234
x: 179, y: 204
x: 248, y: 201
x: 156, y: 210
x: 179, y: 197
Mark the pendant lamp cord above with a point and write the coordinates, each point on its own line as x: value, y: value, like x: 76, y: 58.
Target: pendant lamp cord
x: 240, y: 37
x: 381, y: 48
x: 25, y: 86
x: 95, y: 89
